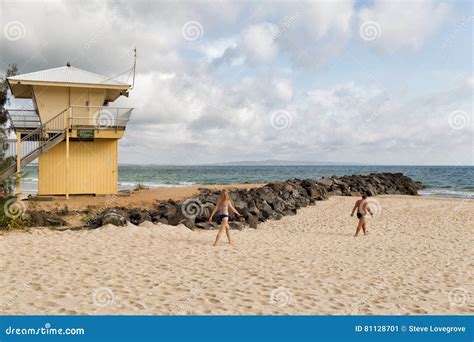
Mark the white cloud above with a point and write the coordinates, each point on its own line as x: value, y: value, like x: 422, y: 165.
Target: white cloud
x: 323, y: 17
x: 258, y: 43
x: 309, y: 33
x: 404, y: 24
x: 215, y: 49
x: 197, y: 120
x: 212, y: 99
x: 283, y: 89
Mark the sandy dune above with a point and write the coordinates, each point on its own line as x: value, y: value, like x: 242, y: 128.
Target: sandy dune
x: 417, y: 259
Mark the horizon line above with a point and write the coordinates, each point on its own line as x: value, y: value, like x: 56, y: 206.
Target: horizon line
x: 297, y: 164
x: 276, y: 164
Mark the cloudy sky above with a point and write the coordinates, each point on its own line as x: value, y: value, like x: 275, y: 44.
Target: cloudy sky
x: 378, y: 82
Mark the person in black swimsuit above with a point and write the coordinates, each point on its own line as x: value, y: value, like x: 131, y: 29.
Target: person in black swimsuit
x: 223, y: 206
x: 362, y: 207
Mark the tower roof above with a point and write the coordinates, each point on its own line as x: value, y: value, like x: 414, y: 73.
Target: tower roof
x: 69, y: 75
x: 66, y: 76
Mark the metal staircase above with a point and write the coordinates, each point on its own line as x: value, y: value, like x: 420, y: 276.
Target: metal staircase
x: 36, y: 142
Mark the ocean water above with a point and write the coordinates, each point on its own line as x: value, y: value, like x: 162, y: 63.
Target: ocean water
x: 441, y: 181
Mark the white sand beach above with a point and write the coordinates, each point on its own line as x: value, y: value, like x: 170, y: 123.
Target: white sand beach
x: 416, y: 259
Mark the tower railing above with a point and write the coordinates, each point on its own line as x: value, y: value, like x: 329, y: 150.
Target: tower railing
x: 100, y: 117
x: 23, y: 119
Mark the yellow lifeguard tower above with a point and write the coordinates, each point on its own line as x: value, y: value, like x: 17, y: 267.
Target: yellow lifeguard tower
x: 72, y: 131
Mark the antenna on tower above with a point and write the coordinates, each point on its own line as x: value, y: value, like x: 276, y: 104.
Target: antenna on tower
x: 134, y: 66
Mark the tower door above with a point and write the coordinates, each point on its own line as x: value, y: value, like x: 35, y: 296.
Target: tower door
x: 86, y: 103
x: 79, y: 101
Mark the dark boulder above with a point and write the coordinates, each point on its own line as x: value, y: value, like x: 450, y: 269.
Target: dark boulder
x: 271, y: 201
x: 325, y: 182
x: 189, y: 222
x: 252, y: 221
x: 162, y: 220
x: 277, y: 216
x: 266, y: 194
x: 236, y: 225
x: 204, y: 214
x: 265, y: 209
x: 207, y: 225
x: 242, y: 207
x: 290, y: 212
x: 55, y: 222
x: 278, y: 204
x: 138, y: 216
x: 116, y: 216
